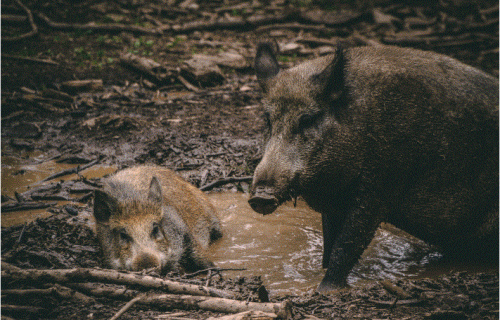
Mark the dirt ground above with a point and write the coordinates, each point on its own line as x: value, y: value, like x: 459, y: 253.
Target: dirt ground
x: 171, y: 82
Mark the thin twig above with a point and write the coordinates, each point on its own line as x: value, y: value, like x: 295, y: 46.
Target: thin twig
x: 224, y: 181
x: 127, y: 306
x: 34, y: 28
x: 109, y: 276
x: 71, y: 171
x: 217, y: 269
x: 110, y: 27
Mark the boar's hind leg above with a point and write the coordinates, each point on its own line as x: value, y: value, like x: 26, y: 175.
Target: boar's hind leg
x: 357, y: 231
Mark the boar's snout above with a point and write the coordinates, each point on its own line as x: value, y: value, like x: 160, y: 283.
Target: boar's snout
x: 263, y: 200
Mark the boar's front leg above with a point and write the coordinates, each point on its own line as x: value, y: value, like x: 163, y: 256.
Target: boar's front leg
x: 331, y: 228
x: 346, y: 246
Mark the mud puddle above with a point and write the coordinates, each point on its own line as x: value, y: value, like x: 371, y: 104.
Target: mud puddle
x: 285, y: 248
x: 19, y: 174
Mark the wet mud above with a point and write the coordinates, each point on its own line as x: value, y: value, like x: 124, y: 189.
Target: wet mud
x: 79, y: 104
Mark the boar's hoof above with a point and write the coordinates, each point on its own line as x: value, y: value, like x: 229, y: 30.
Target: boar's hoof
x: 326, y: 287
x: 263, y: 203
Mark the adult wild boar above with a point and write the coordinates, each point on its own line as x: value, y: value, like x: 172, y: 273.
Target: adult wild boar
x: 147, y: 216
x: 375, y: 134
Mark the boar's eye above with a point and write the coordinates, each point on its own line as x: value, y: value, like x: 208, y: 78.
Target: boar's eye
x: 308, y: 120
x: 156, y: 232
x: 267, y: 119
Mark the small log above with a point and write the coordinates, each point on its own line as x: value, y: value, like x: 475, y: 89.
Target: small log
x: 149, y: 68
x: 110, y: 276
x: 394, y: 289
x: 82, y: 85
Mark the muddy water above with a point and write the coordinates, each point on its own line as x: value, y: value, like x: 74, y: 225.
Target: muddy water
x: 21, y: 173
x: 285, y: 248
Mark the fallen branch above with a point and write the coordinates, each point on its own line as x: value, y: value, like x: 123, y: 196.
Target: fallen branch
x: 110, y: 27
x: 35, y: 60
x: 294, y: 25
x: 171, y: 301
x: 71, y: 171
x: 187, y: 84
x: 13, y: 18
x: 110, y: 291
x: 56, y: 291
x: 34, y: 28
x: 174, y: 301
x: 393, y: 303
x: 25, y: 311
x: 224, y: 181
x: 237, y: 23
x: 110, y: 276
x: 22, y: 206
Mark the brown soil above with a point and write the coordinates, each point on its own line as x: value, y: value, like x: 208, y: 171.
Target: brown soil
x: 207, y: 127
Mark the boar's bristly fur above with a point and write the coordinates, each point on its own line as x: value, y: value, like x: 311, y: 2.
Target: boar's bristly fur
x: 383, y: 134
x: 147, y: 216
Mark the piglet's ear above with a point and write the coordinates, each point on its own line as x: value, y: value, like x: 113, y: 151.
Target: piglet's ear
x: 266, y: 65
x: 154, y: 193
x: 104, y: 206
x: 330, y: 81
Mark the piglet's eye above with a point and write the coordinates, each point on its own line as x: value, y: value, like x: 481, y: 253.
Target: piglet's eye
x: 156, y: 232
x: 124, y: 237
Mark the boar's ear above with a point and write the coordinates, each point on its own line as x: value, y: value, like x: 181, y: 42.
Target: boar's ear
x: 104, y: 206
x: 330, y: 81
x: 154, y: 193
x: 266, y: 65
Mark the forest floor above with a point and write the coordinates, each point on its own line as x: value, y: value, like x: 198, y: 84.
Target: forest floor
x: 126, y: 82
